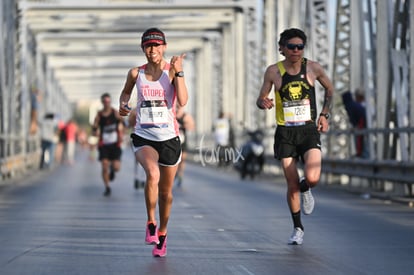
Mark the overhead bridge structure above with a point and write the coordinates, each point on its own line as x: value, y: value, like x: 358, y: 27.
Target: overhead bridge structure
x: 57, y: 55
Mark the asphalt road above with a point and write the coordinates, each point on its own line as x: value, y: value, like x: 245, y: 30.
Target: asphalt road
x: 58, y: 222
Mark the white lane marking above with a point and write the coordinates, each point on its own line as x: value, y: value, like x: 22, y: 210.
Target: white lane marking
x: 239, y: 270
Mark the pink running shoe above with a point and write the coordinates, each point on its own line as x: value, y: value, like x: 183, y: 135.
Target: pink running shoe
x: 151, y: 234
x: 160, y: 250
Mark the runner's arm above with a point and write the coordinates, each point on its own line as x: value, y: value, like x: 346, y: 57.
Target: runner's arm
x: 127, y: 91
x: 263, y: 101
x: 321, y: 76
x: 179, y: 82
x: 95, y: 125
x: 189, y: 122
x: 326, y: 83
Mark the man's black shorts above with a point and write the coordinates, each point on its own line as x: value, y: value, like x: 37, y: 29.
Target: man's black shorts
x: 295, y: 141
x: 169, y: 151
x: 110, y: 152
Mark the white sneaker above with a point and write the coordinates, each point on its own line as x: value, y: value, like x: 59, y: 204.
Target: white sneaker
x: 307, y: 201
x: 297, y: 236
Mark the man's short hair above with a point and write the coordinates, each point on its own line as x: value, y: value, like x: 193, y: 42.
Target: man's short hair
x: 291, y: 33
x: 105, y: 95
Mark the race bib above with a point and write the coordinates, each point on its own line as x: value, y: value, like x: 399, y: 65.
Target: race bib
x: 297, y: 112
x: 154, y: 113
x: 109, y: 137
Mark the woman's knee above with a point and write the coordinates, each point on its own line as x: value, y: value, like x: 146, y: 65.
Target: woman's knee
x: 153, y: 174
x: 165, y: 196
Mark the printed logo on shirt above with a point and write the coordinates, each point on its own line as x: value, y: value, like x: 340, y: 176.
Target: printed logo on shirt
x: 147, y: 92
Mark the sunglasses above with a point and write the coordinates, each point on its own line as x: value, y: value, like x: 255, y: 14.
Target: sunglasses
x: 295, y: 46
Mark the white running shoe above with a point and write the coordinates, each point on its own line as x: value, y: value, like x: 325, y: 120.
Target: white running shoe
x: 297, y: 236
x: 307, y: 201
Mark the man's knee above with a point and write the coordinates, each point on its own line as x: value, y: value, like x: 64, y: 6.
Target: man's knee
x: 312, y: 180
x: 116, y: 165
x: 105, y: 166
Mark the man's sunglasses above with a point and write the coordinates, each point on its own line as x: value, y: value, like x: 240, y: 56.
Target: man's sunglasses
x: 295, y: 46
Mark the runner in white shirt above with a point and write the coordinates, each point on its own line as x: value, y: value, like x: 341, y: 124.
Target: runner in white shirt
x: 160, y: 86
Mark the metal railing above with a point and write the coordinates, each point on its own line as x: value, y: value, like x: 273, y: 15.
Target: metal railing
x: 391, y: 170
x: 18, y: 156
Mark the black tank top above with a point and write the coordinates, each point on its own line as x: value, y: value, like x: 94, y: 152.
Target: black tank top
x: 295, y: 90
x: 108, y: 126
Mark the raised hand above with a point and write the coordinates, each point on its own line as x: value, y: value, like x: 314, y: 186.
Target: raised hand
x: 177, y: 63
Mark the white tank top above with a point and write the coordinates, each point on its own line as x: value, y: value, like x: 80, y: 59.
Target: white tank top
x: 156, y: 118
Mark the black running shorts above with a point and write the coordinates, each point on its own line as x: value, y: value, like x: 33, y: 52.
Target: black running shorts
x: 295, y: 141
x: 110, y: 152
x: 169, y: 151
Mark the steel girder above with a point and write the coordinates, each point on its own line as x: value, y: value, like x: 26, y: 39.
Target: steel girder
x: 372, y: 51
x: 77, y: 43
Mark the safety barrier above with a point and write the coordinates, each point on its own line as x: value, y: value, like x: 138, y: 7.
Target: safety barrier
x: 391, y: 175
x: 18, y: 156
x: 395, y: 171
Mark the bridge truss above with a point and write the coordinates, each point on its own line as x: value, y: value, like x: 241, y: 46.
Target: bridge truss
x: 72, y: 52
